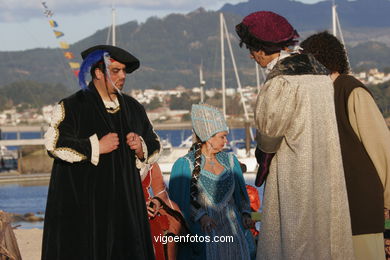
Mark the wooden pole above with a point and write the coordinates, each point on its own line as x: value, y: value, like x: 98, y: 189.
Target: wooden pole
x: 248, y: 137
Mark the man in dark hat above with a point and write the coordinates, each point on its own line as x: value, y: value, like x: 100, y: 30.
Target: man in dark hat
x: 305, y: 209
x: 99, y: 138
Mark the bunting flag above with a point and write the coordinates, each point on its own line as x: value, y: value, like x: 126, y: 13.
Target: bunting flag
x: 64, y: 45
x: 58, y: 34
x: 75, y: 66
x: 68, y: 55
x: 48, y: 13
x: 53, y: 23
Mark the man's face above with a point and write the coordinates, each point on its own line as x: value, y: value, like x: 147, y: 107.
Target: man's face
x: 118, y: 76
x: 260, y: 57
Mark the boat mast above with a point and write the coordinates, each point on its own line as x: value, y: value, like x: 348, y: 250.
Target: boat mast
x: 334, y: 19
x: 257, y: 77
x: 235, y: 72
x: 222, y: 65
x: 258, y: 71
x: 337, y: 27
x: 202, y: 83
x: 336, y: 24
x: 113, y: 26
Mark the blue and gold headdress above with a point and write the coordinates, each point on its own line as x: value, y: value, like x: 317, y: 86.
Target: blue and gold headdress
x: 207, y: 121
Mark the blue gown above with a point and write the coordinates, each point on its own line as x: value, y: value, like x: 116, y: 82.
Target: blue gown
x: 224, y: 198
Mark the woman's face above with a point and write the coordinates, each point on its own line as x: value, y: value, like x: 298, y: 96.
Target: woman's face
x: 217, y: 142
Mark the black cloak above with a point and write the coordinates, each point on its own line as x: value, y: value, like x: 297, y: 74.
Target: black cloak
x: 98, y: 212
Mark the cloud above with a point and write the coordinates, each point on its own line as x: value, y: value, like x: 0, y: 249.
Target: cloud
x: 24, y: 10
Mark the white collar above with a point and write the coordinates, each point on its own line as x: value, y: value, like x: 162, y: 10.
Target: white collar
x: 283, y: 54
x: 111, y: 104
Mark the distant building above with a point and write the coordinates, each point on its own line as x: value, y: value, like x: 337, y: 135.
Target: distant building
x: 230, y: 92
x: 3, y: 119
x: 46, y: 113
x: 160, y: 113
x: 373, y: 76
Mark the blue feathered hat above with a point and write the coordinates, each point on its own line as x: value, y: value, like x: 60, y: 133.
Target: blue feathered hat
x: 97, y: 53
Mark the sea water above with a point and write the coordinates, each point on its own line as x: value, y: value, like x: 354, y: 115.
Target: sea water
x: 176, y: 137
x: 31, y: 198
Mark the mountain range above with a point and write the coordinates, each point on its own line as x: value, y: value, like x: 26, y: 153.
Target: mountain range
x: 352, y: 14
x: 171, y: 49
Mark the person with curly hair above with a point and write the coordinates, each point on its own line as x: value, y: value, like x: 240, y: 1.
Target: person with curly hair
x: 208, y: 186
x: 305, y: 204
x: 364, y: 139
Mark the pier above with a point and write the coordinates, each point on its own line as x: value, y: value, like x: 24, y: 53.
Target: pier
x: 233, y: 123
x: 42, y: 129
x: 26, y: 128
x: 17, y: 178
x: 22, y: 142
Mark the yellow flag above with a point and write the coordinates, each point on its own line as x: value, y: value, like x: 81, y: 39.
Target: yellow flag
x: 64, y: 45
x: 53, y: 23
x: 68, y: 55
x: 74, y: 65
x: 58, y: 34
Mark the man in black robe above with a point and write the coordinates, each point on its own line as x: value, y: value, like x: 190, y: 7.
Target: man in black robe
x: 99, y: 139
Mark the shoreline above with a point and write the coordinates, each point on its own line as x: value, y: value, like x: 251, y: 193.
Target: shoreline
x: 156, y: 126
x: 16, y: 177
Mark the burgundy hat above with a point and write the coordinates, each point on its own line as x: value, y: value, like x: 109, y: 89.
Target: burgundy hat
x: 269, y: 27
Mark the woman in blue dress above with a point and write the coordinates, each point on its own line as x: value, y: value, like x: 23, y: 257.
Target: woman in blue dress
x: 208, y: 186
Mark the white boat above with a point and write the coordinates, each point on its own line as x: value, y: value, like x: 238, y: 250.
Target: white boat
x: 8, y: 159
x: 187, y: 143
x: 166, y: 147
x: 167, y: 160
x: 7, y: 154
x: 239, y: 148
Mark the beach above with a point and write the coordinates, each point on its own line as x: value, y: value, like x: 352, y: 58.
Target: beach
x: 30, y: 243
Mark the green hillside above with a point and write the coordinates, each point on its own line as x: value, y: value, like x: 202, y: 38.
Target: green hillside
x: 170, y: 49
x: 31, y: 93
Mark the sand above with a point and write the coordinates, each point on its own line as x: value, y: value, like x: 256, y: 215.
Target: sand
x: 30, y: 243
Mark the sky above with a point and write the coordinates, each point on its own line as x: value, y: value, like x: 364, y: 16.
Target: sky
x: 24, y: 26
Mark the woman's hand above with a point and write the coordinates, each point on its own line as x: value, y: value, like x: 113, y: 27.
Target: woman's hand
x: 207, y: 224
x: 153, y: 206
x: 247, y: 221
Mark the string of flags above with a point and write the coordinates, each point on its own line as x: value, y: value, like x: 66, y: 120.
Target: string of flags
x: 75, y: 66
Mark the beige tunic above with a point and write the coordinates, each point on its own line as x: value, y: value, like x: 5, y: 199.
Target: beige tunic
x: 370, y: 127
x: 305, y: 213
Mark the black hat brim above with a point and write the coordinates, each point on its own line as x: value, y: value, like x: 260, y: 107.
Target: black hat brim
x: 118, y: 54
